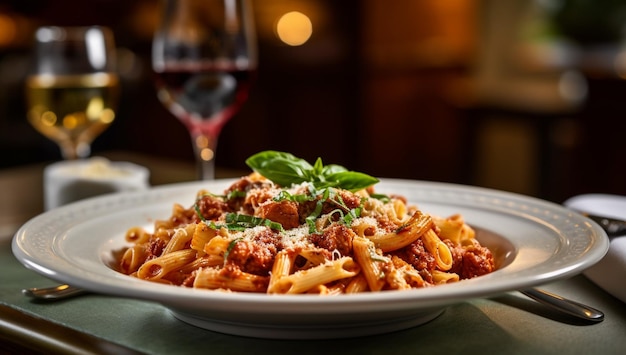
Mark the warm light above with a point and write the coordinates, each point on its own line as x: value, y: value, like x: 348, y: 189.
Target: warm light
x: 202, y: 145
x: 294, y: 28
x: 94, y: 108
x: 8, y: 30
x: 207, y: 154
x: 107, y: 116
x: 72, y: 121
x: 202, y: 142
x: 48, y: 118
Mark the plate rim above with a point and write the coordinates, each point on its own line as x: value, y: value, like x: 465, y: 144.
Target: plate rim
x: 439, y: 296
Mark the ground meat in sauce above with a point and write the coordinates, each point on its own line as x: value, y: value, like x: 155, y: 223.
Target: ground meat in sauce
x: 471, y: 260
x: 155, y: 248
x: 212, y: 207
x: 349, y: 199
x: 256, y: 195
x: 255, y: 257
x: 416, y: 255
x: 182, y: 217
x: 252, y: 189
x: 283, y: 212
x: 336, y: 237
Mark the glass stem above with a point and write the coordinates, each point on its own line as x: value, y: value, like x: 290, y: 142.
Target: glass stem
x: 74, y: 150
x: 204, y: 146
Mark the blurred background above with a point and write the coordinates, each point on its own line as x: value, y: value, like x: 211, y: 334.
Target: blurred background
x: 525, y: 96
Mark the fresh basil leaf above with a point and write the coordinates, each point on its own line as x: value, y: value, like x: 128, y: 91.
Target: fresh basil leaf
x: 333, y: 169
x: 285, y: 170
x: 318, y: 168
x: 282, y: 168
x: 352, y: 180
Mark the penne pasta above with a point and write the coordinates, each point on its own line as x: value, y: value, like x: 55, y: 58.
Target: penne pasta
x: 417, y: 225
x: 283, y: 264
x: 440, y: 277
x: 179, y: 241
x: 372, y: 264
x: 212, y: 278
x: 247, y: 240
x: 157, y: 268
x: 132, y: 259
x: 438, y: 249
x: 202, y: 234
x: 304, y: 280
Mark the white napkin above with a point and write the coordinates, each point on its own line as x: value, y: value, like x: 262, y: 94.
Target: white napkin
x: 610, y: 272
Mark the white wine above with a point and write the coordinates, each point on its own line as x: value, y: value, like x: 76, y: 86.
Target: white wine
x: 72, y: 109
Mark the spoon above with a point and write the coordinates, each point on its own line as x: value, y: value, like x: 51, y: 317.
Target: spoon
x: 557, y: 302
x: 53, y: 293
x: 565, y: 305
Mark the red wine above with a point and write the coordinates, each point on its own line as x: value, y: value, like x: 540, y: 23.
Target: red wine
x: 203, y: 98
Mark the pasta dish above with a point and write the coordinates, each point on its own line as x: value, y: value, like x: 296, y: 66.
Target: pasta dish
x: 290, y: 227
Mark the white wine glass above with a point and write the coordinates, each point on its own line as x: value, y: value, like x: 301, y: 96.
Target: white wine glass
x: 204, y: 57
x: 72, y: 90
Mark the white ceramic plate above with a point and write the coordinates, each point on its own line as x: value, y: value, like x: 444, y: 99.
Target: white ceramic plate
x: 534, y: 241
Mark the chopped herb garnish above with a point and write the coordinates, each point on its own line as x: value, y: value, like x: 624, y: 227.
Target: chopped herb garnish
x: 286, y: 196
x: 383, y: 198
x: 235, y: 194
x: 234, y: 220
x: 196, y: 207
x: 352, y: 215
x: 231, y: 245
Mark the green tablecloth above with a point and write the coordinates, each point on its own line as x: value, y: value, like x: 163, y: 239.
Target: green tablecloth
x: 509, y: 324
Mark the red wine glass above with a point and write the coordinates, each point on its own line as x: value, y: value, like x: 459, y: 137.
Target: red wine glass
x: 204, y: 57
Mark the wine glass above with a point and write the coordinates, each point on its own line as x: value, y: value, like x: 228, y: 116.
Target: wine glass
x: 72, y: 90
x: 204, y: 58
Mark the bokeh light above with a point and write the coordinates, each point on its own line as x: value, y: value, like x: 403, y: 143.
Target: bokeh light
x: 294, y: 28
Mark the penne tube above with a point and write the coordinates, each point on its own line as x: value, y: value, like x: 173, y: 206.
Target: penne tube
x: 283, y: 264
x: 158, y: 267
x: 450, y: 228
x: 180, y: 239
x: 371, y: 263
x: 202, y: 234
x: 204, y: 261
x: 304, y: 280
x: 218, y: 246
x: 313, y: 257
x: 441, y: 277
x: 398, y: 212
x: 357, y: 284
x: 132, y: 259
x: 364, y: 228
x: 177, y: 211
x: 213, y: 278
x: 467, y: 235
x: 438, y: 249
x: 417, y: 225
